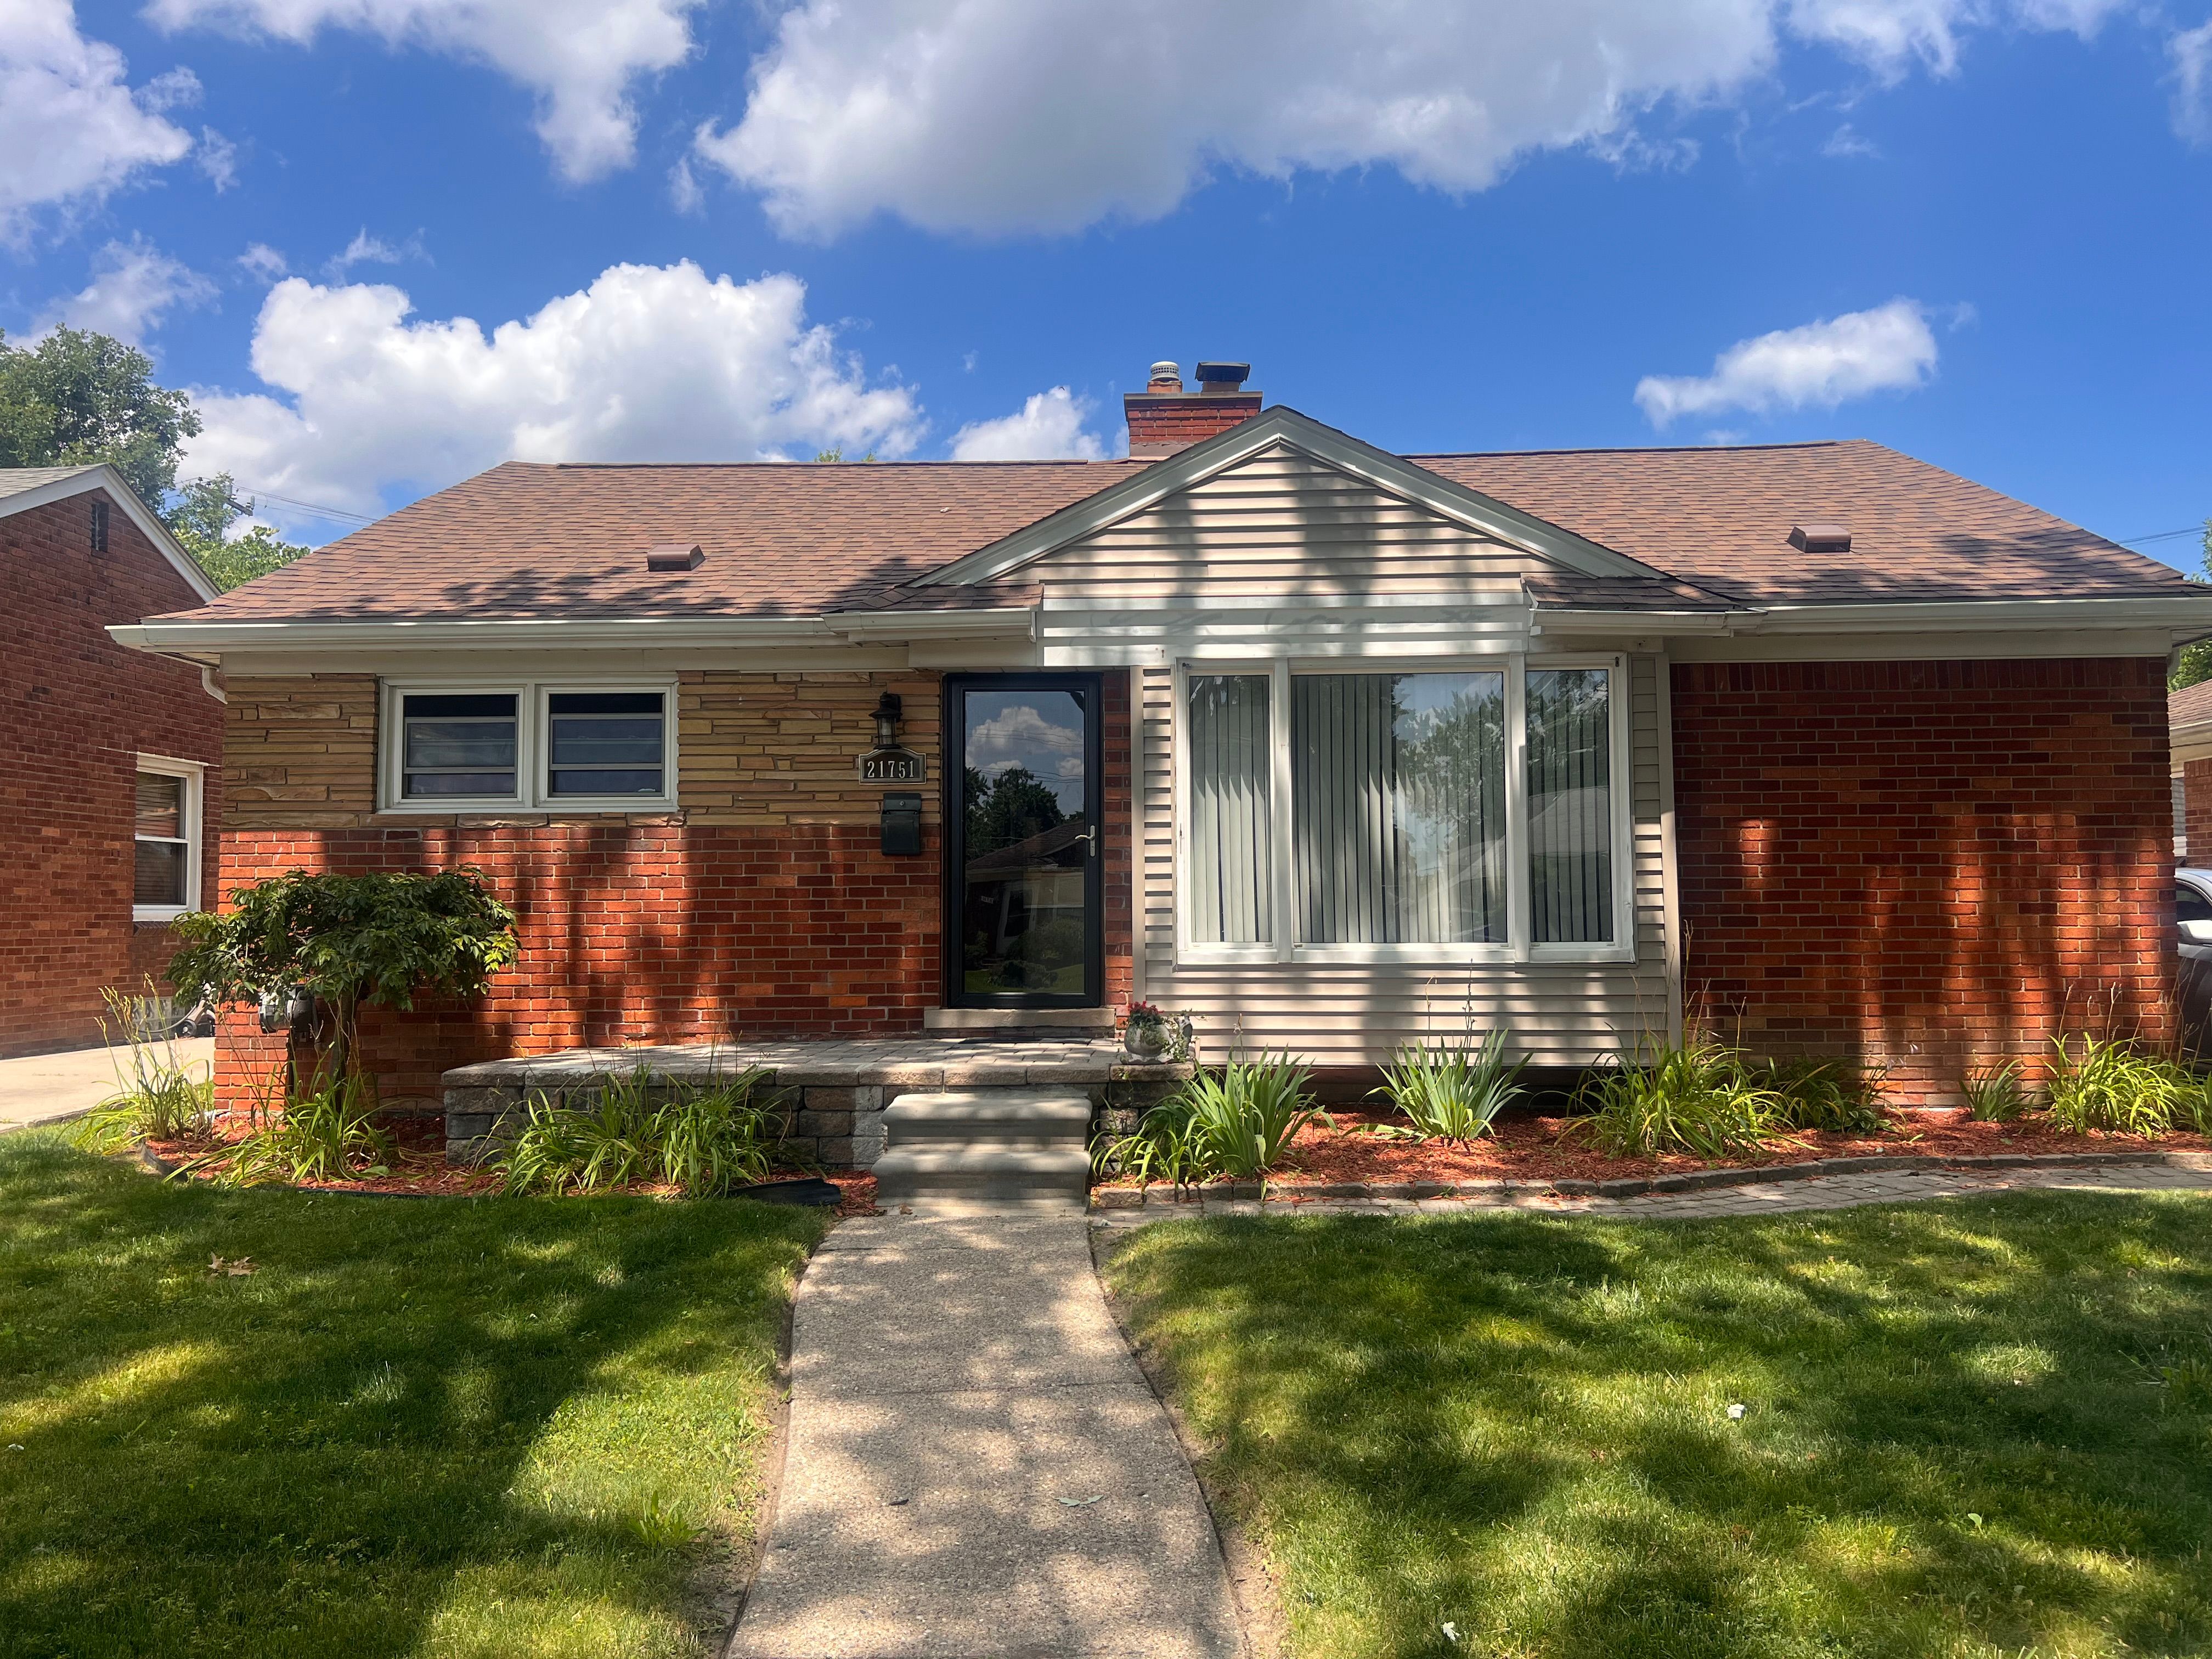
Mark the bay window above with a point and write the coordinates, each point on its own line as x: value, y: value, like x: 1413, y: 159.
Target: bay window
x: 532, y: 744
x: 1455, y: 813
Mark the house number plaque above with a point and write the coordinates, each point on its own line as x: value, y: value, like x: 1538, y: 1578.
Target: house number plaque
x: 890, y: 766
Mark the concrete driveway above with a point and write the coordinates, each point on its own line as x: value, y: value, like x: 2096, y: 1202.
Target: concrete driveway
x: 45, y: 1088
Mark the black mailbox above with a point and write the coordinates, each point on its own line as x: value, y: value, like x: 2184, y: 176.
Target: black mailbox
x: 902, y: 825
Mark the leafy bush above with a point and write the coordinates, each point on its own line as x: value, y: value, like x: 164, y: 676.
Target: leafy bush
x: 1824, y: 1094
x: 380, y: 939
x: 1450, y: 1093
x: 1236, y: 1121
x: 2112, y: 1084
x: 1699, y: 1096
x: 705, y: 1142
x: 326, y: 1133
x: 157, y: 1098
x: 1995, y: 1094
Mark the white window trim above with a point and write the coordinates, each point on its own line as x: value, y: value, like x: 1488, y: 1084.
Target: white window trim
x: 531, y: 748
x: 190, y: 809
x: 1518, y: 946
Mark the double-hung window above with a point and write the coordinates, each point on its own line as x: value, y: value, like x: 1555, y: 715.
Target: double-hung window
x: 164, y: 880
x: 1451, y: 813
x: 548, y: 745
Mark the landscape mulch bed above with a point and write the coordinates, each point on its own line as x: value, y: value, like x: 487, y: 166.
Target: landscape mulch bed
x: 1534, y: 1148
x: 418, y: 1169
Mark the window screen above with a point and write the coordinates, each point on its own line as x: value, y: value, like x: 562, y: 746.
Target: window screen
x: 162, y: 846
x: 605, y: 743
x: 460, y: 745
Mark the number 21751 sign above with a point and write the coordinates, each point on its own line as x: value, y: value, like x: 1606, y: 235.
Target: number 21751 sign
x: 890, y: 766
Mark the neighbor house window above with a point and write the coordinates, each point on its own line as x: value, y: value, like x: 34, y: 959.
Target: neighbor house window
x: 1457, y: 813
x: 590, y: 748
x: 99, y: 526
x: 166, y: 831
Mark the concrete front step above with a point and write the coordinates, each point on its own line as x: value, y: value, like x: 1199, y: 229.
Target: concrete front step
x: 953, y: 1120
x: 986, y: 1178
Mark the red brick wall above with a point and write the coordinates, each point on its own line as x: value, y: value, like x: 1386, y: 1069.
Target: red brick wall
x: 666, y: 932
x: 2197, y: 809
x: 1188, y: 417
x: 1923, y: 864
x: 76, y: 708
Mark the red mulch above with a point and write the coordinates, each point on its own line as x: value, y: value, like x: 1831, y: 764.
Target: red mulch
x: 1531, y: 1147
x: 418, y: 1166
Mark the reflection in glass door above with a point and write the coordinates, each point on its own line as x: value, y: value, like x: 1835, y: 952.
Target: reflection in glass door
x: 1025, y: 858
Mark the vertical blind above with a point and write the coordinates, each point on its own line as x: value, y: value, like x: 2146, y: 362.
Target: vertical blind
x: 1398, y: 808
x: 1231, y: 807
x: 1570, y: 806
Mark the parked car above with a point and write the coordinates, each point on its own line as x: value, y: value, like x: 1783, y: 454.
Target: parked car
x: 2192, y: 979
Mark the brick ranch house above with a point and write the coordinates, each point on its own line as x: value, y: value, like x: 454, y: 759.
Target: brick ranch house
x: 110, y: 760
x: 1328, y: 747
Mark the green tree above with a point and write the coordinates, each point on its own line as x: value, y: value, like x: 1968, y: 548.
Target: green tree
x: 76, y: 397
x: 2192, y: 663
x: 1008, y: 810
x: 200, y: 517
x: 381, y: 939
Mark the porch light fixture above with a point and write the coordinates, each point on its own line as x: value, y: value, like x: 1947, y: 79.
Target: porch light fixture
x: 888, y: 709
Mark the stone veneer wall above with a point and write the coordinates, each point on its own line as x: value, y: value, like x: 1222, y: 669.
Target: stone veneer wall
x: 1924, y: 863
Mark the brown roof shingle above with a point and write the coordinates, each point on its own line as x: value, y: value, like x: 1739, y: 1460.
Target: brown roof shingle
x: 528, y: 541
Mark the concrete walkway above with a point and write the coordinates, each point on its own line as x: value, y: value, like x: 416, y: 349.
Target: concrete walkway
x: 43, y: 1088
x: 974, y: 1466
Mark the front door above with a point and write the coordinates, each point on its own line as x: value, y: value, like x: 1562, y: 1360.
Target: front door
x: 1024, y: 860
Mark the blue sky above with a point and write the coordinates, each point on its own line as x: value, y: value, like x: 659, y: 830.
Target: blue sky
x: 1983, y: 227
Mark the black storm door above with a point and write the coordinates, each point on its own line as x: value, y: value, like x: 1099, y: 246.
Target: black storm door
x: 1023, y: 852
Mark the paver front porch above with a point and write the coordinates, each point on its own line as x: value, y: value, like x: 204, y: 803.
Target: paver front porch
x: 835, y: 1091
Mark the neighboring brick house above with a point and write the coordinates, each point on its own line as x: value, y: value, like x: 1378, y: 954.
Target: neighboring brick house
x: 1332, y: 748
x: 110, y: 760
x: 2189, y: 719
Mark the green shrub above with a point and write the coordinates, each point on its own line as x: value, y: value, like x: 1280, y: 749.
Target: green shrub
x: 704, y: 1141
x: 157, y: 1098
x: 326, y: 1133
x: 2099, y: 1083
x: 1451, y: 1093
x: 1699, y: 1096
x: 1236, y: 1122
x: 1823, y: 1094
x: 1995, y: 1094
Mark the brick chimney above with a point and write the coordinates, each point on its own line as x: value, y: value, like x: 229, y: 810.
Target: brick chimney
x: 1164, y: 418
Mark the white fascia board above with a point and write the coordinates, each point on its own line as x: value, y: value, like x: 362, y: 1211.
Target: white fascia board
x: 182, y: 634
x: 1000, y: 621
x: 1643, y: 623
x: 101, y: 476
x: 1284, y: 425
x: 2186, y: 617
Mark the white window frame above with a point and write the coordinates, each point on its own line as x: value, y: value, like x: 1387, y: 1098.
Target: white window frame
x: 1518, y: 946
x: 193, y: 774
x: 532, y: 749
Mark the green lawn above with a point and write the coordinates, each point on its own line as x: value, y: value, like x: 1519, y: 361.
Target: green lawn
x: 426, y: 1427
x: 1971, y: 1427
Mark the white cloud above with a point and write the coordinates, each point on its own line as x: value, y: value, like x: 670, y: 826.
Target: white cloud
x: 1888, y: 348
x: 648, y: 363
x: 263, y: 261
x: 2191, y: 51
x: 582, y: 57
x: 1004, y: 116
x: 133, y: 284
x: 218, y: 158
x: 1847, y: 144
x: 70, y: 129
x: 683, y: 192
x: 1048, y: 428
x: 368, y: 249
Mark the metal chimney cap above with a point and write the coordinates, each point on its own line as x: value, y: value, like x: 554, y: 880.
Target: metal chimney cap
x: 1222, y: 377
x: 1820, y: 537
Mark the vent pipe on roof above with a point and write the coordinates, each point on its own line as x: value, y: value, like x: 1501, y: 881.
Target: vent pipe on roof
x: 1820, y: 537
x: 674, y: 556
x: 1166, y: 379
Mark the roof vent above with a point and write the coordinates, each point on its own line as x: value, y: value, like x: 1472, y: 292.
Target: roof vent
x: 1218, y: 380
x: 673, y: 555
x: 1820, y: 537
x: 1165, y: 377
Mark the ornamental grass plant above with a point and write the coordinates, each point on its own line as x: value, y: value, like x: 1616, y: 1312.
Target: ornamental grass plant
x: 2116, y: 1085
x: 1994, y: 1093
x: 156, y: 1096
x: 1236, y: 1121
x: 1449, y: 1092
x: 325, y: 1133
x: 1699, y: 1096
x: 703, y: 1141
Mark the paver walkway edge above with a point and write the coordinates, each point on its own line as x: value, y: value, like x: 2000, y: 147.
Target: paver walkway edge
x: 974, y: 1466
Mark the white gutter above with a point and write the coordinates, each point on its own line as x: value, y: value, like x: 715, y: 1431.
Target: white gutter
x: 2185, y: 616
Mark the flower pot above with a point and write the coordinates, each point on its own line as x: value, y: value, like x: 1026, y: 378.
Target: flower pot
x: 1147, y: 1041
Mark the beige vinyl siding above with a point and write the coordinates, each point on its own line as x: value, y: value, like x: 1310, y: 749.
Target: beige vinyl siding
x: 1280, y: 527
x: 1354, y: 1014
